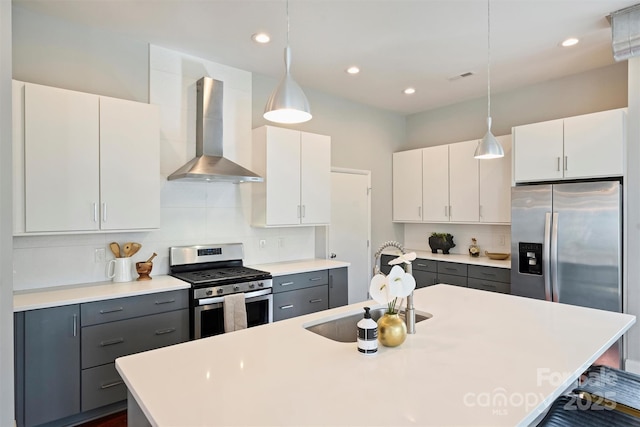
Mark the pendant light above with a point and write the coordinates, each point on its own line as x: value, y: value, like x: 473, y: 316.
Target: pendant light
x: 489, y: 147
x: 287, y: 103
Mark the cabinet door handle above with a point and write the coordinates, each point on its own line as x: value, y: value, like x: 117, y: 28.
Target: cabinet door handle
x: 111, y: 342
x: 165, y: 302
x: 304, y: 211
x: 112, y: 384
x: 450, y: 210
x: 286, y: 283
x: 165, y: 331
x: 419, y: 211
x: 299, y: 211
x: 446, y: 211
x: 313, y: 301
x: 558, y: 167
x: 330, y: 281
x: 315, y: 279
x: 95, y: 212
x: 75, y: 325
x: 480, y: 211
x: 113, y: 310
x: 285, y: 307
x: 104, y: 211
x: 566, y: 162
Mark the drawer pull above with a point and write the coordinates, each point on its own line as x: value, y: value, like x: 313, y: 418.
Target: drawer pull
x: 113, y: 310
x: 284, y: 307
x: 165, y: 331
x: 313, y: 301
x: 111, y: 342
x: 169, y: 301
x: 286, y: 283
x: 314, y: 279
x: 422, y: 265
x: 109, y: 385
x: 489, y: 274
x: 450, y: 269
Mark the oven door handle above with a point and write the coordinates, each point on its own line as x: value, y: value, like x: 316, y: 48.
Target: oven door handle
x: 247, y: 295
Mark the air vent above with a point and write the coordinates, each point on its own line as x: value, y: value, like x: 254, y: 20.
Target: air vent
x: 461, y: 76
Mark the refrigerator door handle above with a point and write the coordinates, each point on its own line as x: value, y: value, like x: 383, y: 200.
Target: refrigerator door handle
x: 554, y: 258
x: 545, y: 256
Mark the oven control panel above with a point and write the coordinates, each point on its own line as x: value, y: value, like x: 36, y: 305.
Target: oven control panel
x: 208, y: 292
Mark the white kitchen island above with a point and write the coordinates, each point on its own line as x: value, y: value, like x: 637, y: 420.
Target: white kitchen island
x: 483, y: 359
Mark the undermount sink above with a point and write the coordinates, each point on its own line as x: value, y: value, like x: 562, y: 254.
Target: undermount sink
x: 345, y: 329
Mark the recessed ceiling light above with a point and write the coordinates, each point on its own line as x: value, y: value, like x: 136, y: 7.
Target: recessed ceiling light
x: 261, y: 38
x: 572, y: 41
x: 353, y: 70
x: 409, y: 91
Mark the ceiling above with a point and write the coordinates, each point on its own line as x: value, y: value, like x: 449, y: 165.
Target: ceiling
x: 396, y: 43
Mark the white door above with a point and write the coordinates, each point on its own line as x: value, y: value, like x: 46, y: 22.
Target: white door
x: 538, y: 151
x: 129, y: 165
x: 61, y: 159
x: 464, y: 188
x: 593, y: 144
x: 495, y: 185
x: 350, y: 231
x: 315, y: 178
x: 407, y: 186
x: 435, y: 183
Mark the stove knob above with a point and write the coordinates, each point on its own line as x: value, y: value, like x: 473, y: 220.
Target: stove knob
x: 260, y: 284
x: 220, y: 291
x: 209, y: 292
x: 252, y: 285
x: 236, y: 287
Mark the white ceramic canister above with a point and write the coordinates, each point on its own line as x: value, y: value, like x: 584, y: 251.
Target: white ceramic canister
x: 367, y: 334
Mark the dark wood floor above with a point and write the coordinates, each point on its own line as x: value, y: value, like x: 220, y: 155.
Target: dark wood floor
x: 119, y: 419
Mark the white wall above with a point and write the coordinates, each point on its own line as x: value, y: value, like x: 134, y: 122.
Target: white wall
x: 6, y: 279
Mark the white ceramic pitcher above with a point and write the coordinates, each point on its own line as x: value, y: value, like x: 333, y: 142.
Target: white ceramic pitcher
x: 120, y: 270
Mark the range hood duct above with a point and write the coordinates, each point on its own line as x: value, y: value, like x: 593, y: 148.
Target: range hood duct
x: 209, y: 163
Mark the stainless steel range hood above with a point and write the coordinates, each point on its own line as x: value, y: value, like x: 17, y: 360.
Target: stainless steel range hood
x: 209, y: 163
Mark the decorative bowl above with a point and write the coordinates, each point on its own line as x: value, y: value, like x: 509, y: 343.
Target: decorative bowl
x: 496, y: 255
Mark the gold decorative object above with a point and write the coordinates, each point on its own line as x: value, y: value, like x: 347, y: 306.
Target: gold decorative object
x: 391, y: 330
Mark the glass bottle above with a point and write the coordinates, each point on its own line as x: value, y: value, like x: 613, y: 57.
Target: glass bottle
x: 474, y: 250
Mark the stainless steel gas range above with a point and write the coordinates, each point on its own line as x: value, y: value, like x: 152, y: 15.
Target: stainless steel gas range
x: 215, y: 271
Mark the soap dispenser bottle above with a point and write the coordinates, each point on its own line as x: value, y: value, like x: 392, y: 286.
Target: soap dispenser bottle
x: 367, y: 334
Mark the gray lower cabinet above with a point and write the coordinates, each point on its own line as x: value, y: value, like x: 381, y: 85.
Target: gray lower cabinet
x: 490, y: 279
x: 338, y: 287
x: 65, y: 371
x: 297, y: 303
x: 51, y: 355
x: 452, y: 273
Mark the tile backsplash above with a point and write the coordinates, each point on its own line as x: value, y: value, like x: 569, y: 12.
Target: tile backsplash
x: 191, y: 212
x: 492, y: 238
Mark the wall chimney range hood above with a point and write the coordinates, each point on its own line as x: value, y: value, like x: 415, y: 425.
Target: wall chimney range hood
x: 209, y: 165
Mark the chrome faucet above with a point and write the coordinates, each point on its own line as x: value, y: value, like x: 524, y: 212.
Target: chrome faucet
x: 410, y: 311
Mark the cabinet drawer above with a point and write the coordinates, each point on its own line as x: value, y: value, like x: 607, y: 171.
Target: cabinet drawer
x: 425, y: 265
x: 124, y: 308
x: 450, y: 279
x: 303, y: 301
x: 102, y: 386
x: 424, y: 278
x: 494, y: 274
x: 452, y: 268
x: 105, y: 342
x: 292, y: 282
x: 488, y: 285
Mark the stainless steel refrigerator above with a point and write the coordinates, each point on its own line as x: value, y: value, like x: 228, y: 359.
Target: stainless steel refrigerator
x: 566, y: 246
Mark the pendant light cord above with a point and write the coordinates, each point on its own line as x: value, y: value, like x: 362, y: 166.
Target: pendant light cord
x: 488, y: 58
x: 287, y: 23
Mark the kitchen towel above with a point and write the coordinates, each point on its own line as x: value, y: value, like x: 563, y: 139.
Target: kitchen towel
x: 235, y: 312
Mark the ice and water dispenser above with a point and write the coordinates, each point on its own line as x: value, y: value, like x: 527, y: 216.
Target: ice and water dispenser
x: 530, y: 258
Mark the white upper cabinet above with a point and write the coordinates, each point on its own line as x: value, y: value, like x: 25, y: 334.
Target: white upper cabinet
x: 296, y: 167
x: 435, y: 183
x: 463, y: 182
x: 446, y: 183
x: 495, y: 186
x: 84, y: 163
x: 587, y: 146
x: 407, y: 186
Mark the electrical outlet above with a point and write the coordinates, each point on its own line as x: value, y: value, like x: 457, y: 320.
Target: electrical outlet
x: 262, y: 244
x: 99, y: 255
x: 498, y: 240
x: 281, y: 242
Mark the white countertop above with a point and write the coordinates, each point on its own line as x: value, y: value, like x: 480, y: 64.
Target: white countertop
x: 75, y: 294
x: 476, y: 349
x: 458, y: 258
x: 301, y: 266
